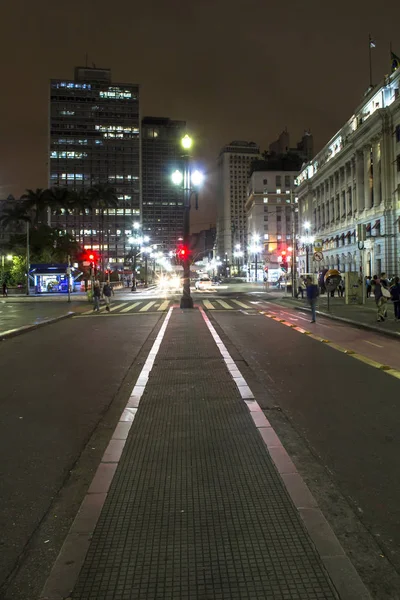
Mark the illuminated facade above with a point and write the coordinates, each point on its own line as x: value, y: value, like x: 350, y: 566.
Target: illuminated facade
x: 162, y: 201
x: 95, y: 138
x: 355, y: 180
x: 271, y: 207
x: 234, y: 168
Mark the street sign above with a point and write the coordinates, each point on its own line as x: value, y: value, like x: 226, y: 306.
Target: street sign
x: 318, y: 256
x: 317, y: 245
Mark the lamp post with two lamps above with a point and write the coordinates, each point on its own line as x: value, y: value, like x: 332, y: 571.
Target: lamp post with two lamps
x: 255, y: 248
x: 307, y: 240
x: 238, y: 254
x: 136, y: 242
x: 190, y: 182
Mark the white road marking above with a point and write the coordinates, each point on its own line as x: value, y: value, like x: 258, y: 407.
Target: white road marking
x: 130, y: 307
x: 372, y: 343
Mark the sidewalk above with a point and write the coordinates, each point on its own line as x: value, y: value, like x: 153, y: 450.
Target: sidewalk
x: 196, y: 509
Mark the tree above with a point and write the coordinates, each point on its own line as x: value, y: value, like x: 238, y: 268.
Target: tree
x: 102, y: 196
x: 37, y: 201
x: 14, y: 216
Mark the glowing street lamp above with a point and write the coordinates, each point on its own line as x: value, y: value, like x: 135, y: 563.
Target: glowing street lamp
x: 197, y: 178
x: 177, y: 177
x: 187, y: 142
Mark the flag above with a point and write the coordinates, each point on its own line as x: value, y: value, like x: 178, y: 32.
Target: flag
x: 371, y: 42
x: 395, y: 61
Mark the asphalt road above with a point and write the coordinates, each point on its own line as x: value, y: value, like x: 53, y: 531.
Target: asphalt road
x: 63, y: 387
x: 14, y: 314
x: 58, y: 384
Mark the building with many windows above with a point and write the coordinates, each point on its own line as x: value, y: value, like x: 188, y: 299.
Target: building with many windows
x: 234, y: 168
x: 95, y: 138
x: 162, y: 201
x: 272, y: 213
x: 355, y: 180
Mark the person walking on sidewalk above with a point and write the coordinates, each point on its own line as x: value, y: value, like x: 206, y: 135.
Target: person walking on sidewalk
x: 5, y: 290
x: 301, y: 288
x: 380, y: 293
x: 107, y: 292
x: 368, y: 285
x: 395, y: 294
x: 312, y: 295
x: 96, y: 296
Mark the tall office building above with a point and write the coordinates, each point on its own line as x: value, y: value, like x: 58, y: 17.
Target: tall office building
x: 234, y: 169
x: 95, y: 138
x: 162, y: 201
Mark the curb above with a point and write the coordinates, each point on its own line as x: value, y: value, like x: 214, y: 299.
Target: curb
x: 358, y: 324
x: 25, y: 328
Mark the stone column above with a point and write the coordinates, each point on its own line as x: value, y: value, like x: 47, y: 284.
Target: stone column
x: 367, y: 173
x: 360, y: 180
x: 376, y: 161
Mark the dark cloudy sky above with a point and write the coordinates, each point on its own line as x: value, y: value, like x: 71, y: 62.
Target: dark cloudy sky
x: 234, y: 69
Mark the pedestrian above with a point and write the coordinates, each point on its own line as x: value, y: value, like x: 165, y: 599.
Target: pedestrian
x: 301, y: 288
x: 107, y: 292
x: 5, y: 290
x: 133, y: 288
x: 96, y: 296
x: 341, y: 288
x: 312, y: 295
x: 380, y: 293
x: 368, y: 285
x: 395, y: 294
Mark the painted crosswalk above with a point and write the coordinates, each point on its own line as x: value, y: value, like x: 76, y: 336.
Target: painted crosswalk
x: 161, y: 305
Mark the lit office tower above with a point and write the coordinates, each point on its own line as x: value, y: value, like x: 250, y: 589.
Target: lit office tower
x: 95, y: 139
x: 162, y: 201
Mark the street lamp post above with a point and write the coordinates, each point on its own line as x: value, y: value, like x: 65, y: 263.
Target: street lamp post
x: 255, y: 248
x: 307, y: 240
x: 191, y: 181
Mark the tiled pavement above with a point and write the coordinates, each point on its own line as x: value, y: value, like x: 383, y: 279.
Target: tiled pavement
x: 196, y: 509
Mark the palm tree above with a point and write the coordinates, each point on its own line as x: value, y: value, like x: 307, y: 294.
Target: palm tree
x: 63, y: 201
x: 102, y: 196
x: 38, y: 201
x: 14, y: 216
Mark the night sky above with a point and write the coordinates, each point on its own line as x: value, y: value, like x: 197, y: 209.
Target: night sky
x: 239, y: 69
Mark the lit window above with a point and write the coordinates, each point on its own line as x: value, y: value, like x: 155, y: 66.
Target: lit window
x: 278, y: 190
x: 266, y: 236
x: 67, y: 112
x: 265, y: 200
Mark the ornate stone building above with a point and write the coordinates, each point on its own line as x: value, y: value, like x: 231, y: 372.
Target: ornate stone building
x: 353, y: 181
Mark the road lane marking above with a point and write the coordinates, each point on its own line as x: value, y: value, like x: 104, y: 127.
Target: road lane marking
x: 130, y: 307
x: 147, y: 306
x: 118, y: 306
x: 372, y: 343
x: 242, y: 304
x: 224, y: 304
x: 164, y: 305
x: 208, y: 305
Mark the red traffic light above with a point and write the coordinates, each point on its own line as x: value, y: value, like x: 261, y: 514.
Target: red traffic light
x: 182, y: 252
x: 91, y: 256
x: 283, y: 252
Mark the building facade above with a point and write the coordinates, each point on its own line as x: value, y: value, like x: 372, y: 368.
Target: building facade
x: 234, y: 169
x: 353, y: 181
x: 272, y: 213
x: 162, y: 201
x: 95, y: 139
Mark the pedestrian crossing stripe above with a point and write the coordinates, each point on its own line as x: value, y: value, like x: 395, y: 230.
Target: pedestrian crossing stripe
x: 147, y: 306
x: 208, y: 305
x: 130, y: 307
x: 241, y: 304
x: 225, y: 305
x: 163, y: 306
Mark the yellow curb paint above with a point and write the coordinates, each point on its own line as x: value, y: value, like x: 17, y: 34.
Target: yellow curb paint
x: 393, y: 373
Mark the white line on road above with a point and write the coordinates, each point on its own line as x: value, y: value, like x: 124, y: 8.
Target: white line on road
x: 372, y: 343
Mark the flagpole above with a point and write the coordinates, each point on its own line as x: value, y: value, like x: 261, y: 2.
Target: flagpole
x: 370, y: 60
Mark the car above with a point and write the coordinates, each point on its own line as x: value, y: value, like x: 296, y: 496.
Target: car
x: 204, y: 283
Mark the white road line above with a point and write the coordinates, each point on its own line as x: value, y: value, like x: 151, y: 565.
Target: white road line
x: 147, y: 306
x: 372, y: 344
x: 224, y: 304
x: 164, y: 305
x: 130, y: 307
x: 208, y: 305
x: 101, y: 482
x: 242, y: 304
x: 118, y: 306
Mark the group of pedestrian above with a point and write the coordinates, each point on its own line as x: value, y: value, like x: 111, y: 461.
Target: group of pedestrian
x: 104, y: 292
x: 385, y: 291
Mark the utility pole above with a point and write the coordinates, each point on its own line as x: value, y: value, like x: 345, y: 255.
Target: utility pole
x: 293, y: 207
x: 68, y: 277
x: 28, y: 258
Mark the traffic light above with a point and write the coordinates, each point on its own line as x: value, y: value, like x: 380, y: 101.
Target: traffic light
x: 182, y: 253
